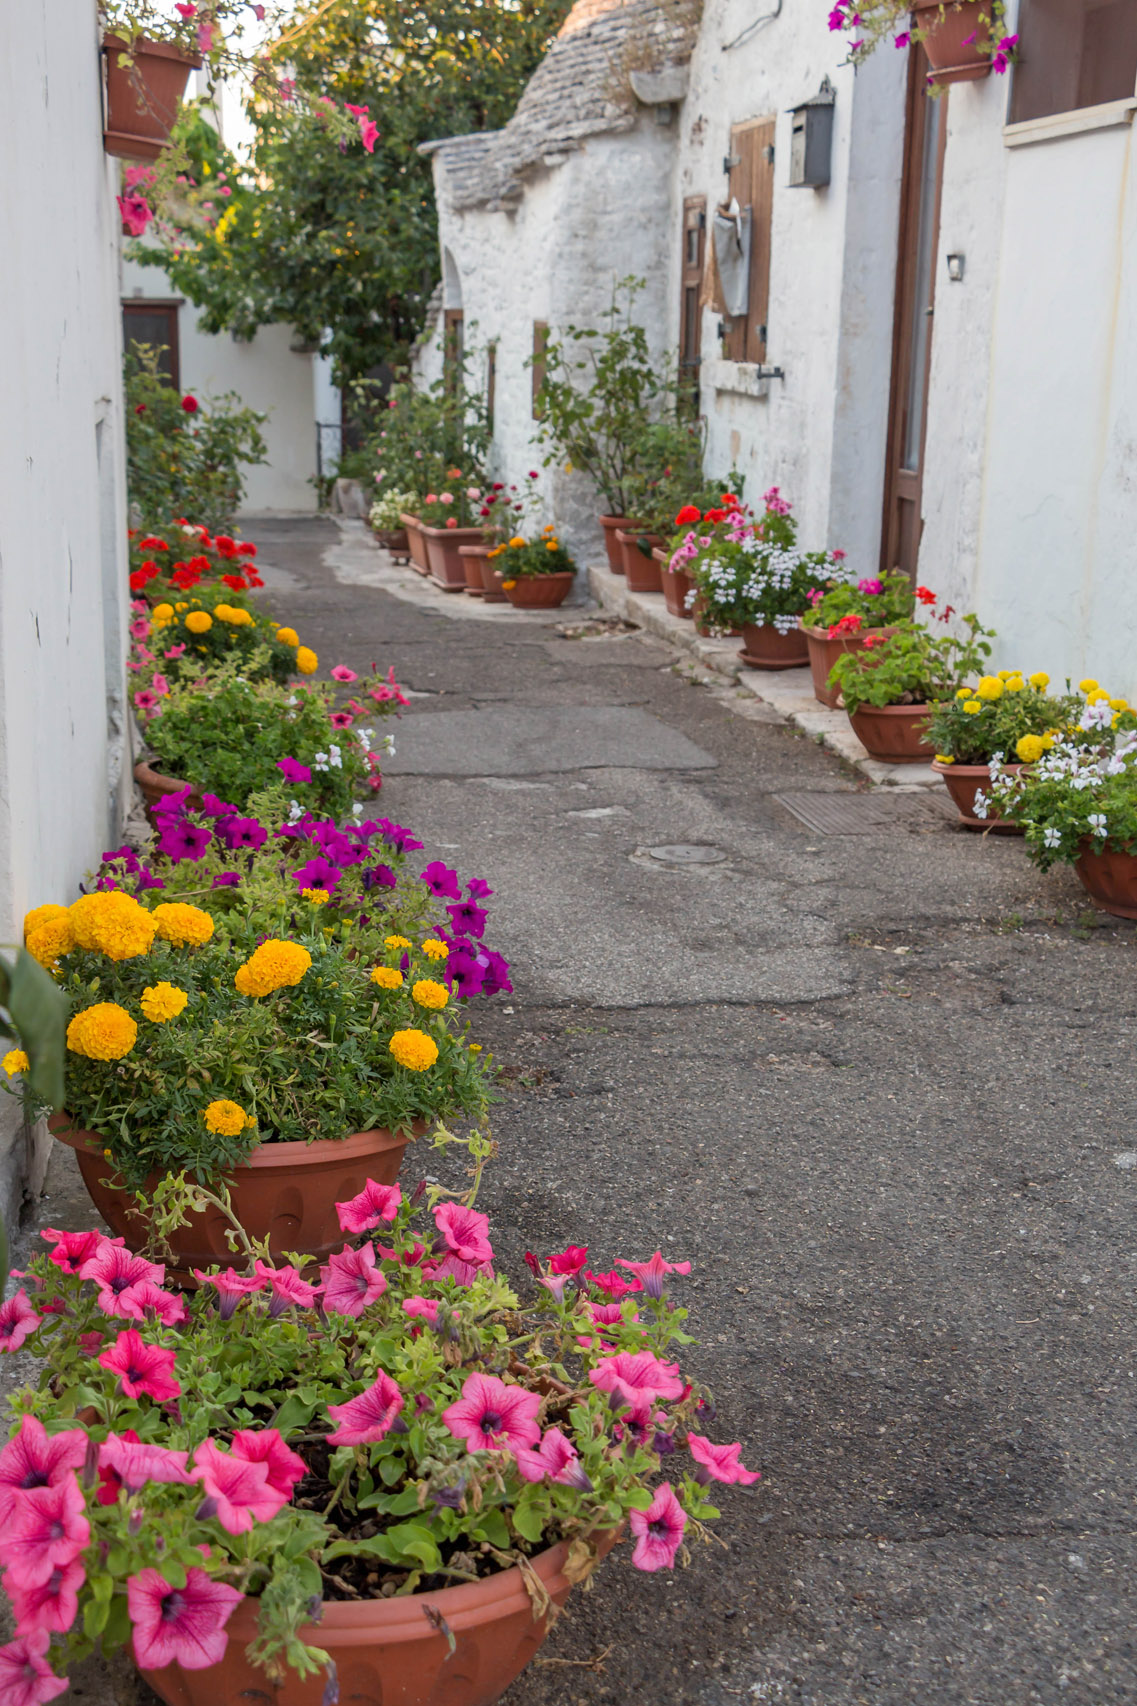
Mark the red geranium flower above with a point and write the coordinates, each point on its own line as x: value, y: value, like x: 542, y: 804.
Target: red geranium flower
x: 688, y: 515
x: 925, y: 595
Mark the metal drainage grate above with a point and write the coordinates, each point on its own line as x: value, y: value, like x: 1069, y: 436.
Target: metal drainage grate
x: 836, y: 813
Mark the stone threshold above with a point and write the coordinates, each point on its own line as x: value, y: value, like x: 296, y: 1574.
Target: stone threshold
x: 788, y: 692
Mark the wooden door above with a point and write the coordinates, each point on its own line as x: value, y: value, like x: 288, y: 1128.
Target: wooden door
x: 694, y: 239
x: 925, y: 135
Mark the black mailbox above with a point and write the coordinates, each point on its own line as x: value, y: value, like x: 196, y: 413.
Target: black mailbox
x: 811, y: 139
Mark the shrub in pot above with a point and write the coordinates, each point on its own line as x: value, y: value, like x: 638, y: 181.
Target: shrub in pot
x: 267, y: 1459
x: 841, y: 616
x: 386, y: 520
x: 1008, y: 719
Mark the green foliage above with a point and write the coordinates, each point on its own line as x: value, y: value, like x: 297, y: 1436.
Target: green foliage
x: 416, y: 436
x: 1081, y: 793
x: 181, y: 463
x: 543, y: 555
x: 667, y: 466
x: 912, y: 666
x: 240, y: 634
x: 33, y: 1012
x: 876, y: 603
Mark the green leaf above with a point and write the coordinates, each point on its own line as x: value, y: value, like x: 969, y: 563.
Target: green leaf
x: 494, y: 1529
x: 39, y: 1011
x: 527, y: 1520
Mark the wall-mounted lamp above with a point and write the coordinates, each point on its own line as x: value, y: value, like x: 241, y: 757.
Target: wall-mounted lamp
x: 955, y: 266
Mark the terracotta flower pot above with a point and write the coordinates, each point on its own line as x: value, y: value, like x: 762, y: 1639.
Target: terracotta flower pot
x: 155, y: 786
x: 641, y: 571
x: 393, y: 539
x: 765, y: 648
x: 610, y: 524
x: 143, y: 97
x: 894, y: 733
x: 952, y: 56
x: 416, y: 543
x: 1110, y: 879
x: 443, y: 544
x: 535, y: 592
x: 389, y: 1652
x: 474, y: 560
x: 286, y: 1192
x: 963, y: 782
x: 824, y: 652
x: 676, y: 584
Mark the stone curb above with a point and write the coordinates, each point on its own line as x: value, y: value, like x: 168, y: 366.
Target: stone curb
x: 788, y: 692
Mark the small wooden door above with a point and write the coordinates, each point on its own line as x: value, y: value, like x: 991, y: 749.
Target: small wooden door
x: 694, y: 238
x: 925, y: 135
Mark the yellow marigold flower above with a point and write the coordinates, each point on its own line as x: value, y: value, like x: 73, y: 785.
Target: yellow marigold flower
x: 1049, y: 738
x: 1005, y: 674
x: 944, y: 758
x: 1015, y: 684
x: 48, y: 941
x: 1040, y: 680
x: 306, y: 661
x: 395, y: 943
x: 516, y: 543
x: 972, y: 706
x: 1088, y: 685
x: 225, y: 612
x: 1098, y: 694
x: 552, y: 545
x: 162, y: 612
x: 162, y: 1001
x: 990, y: 687
x: 184, y: 926
x: 434, y: 949
x: 112, y: 923
x: 430, y: 994
x: 42, y: 915
x: 1030, y: 748
x: 227, y: 1119
x: 15, y: 1061
x: 289, y: 636
x: 387, y: 977
x: 965, y: 693
x: 183, y: 605
x: 1119, y: 704
x: 102, y: 1032
x: 549, y: 527
x: 199, y: 621
x: 274, y: 965
x: 315, y: 897
x: 414, y: 1050
x: 242, y: 618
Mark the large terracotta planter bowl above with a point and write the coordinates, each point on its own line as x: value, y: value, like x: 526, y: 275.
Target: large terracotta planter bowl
x: 443, y: 544
x: 416, y: 543
x: 611, y: 524
x: 143, y: 98
x: 824, y: 652
x: 1110, y: 879
x: 286, y: 1192
x: 536, y: 592
x: 953, y: 57
x: 765, y: 648
x: 894, y: 733
x: 388, y: 1653
x: 156, y: 786
x: 963, y: 782
x: 641, y: 571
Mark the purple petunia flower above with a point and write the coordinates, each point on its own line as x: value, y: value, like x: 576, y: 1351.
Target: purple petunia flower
x: 128, y: 857
x: 478, y: 889
x: 180, y: 840
x: 318, y: 873
x: 496, y: 973
x: 467, y: 919
x: 442, y: 881
x: 397, y: 837
x: 379, y: 877
x: 226, y: 880
x: 293, y: 770
x: 147, y: 880
x: 237, y: 832
x: 105, y: 883
x: 211, y: 806
x: 173, y: 805
x: 463, y: 973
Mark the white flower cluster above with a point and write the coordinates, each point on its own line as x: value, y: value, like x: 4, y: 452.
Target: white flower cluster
x: 330, y: 760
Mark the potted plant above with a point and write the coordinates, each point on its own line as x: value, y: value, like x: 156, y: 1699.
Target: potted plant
x: 841, y: 616
x: 535, y: 573
x: 186, y: 455
x: 379, y: 1477
x: 450, y: 518
x: 186, y: 558
x: 1006, y: 718
x: 1077, y: 803
x: 963, y: 39
x: 387, y: 524
x: 193, y: 636
x: 145, y: 81
x: 890, y: 687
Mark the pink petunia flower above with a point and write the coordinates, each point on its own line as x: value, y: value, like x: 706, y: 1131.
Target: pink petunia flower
x: 26, y: 1678
x: 342, y: 673
x: 283, y: 1466
x: 363, y: 1420
x: 341, y: 719
x: 230, y: 1287
x: 374, y: 1204
x: 205, y: 37
x: 142, y: 1368
x: 114, y: 1270
x: 184, y: 1626
x: 609, y: 1314
x: 237, y: 1490
x: 145, y: 1298
x: 288, y: 1289
x: 352, y: 1281
x: 636, y: 1377
x: 422, y: 1308
x: 17, y: 1320
x: 465, y: 1232
x: 174, y: 651
x: 52, y: 1605
x: 658, y: 1531
x: 34, y: 1458
x: 491, y: 1415
x: 651, y: 1274
x: 140, y: 629
x: 131, y: 1463
x: 555, y: 1459
x: 721, y: 1462
x: 569, y: 1261
x: 613, y: 1285
x: 45, y: 1527
x: 368, y: 134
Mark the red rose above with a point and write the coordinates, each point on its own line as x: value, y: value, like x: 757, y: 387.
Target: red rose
x: 189, y: 404
x: 140, y: 408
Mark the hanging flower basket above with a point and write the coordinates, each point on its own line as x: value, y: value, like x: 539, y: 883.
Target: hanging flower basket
x: 143, y: 95
x: 952, y: 41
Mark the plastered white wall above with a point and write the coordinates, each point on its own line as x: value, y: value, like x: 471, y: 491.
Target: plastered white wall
x: 267, y: 375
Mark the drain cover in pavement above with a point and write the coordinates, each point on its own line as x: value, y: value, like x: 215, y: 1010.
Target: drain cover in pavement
x: 686, y: 853
x: 836, y: 813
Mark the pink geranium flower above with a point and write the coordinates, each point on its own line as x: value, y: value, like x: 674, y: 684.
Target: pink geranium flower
x: 342, y: 673
x: 34, y: 1458
x: 26, y: 1678
x: 283, y: 1466
x: 422, y: 1308
x: 130, y: 1463
x: 555, y: 1459
x: 52, y: 1605
x: 237, y: 1489
x: 491, y: 1415
x: 288, y: 1289
x: 721, y: 1462
x: 142, y: 1368
x: 352, y: 1281
x: 184, y: 1626
x: 658, y: 1531
x: 114, y: 1270
x: 363, y: 1420
x: 651, y: 1274
x: 375, y: 1203
x: 17, y: 1320
x: 637, y: 1377
x: 45, y: 1528
x: 466, y: 1234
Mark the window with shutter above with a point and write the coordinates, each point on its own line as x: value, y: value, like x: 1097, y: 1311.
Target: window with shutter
x: 540, y: 339
x: 453, y: 347
x: 1073, y: 53
x: 154, y: 324
x: 694, y: 238
x: 752, y: 186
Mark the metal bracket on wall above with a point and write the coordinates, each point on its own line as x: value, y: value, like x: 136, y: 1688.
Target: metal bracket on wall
x: 730, y: 161
x: 761, y: 372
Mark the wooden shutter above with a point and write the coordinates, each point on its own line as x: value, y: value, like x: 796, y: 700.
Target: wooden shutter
x: 491, y: 384
x: 453, y: 348
x: 752, y: 184
x: 154, y: 323
x: 692, y: 260
x: 540, y: 339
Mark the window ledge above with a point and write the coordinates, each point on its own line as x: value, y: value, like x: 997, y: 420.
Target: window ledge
x: 741, y: 377
x: 1055, y: 125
